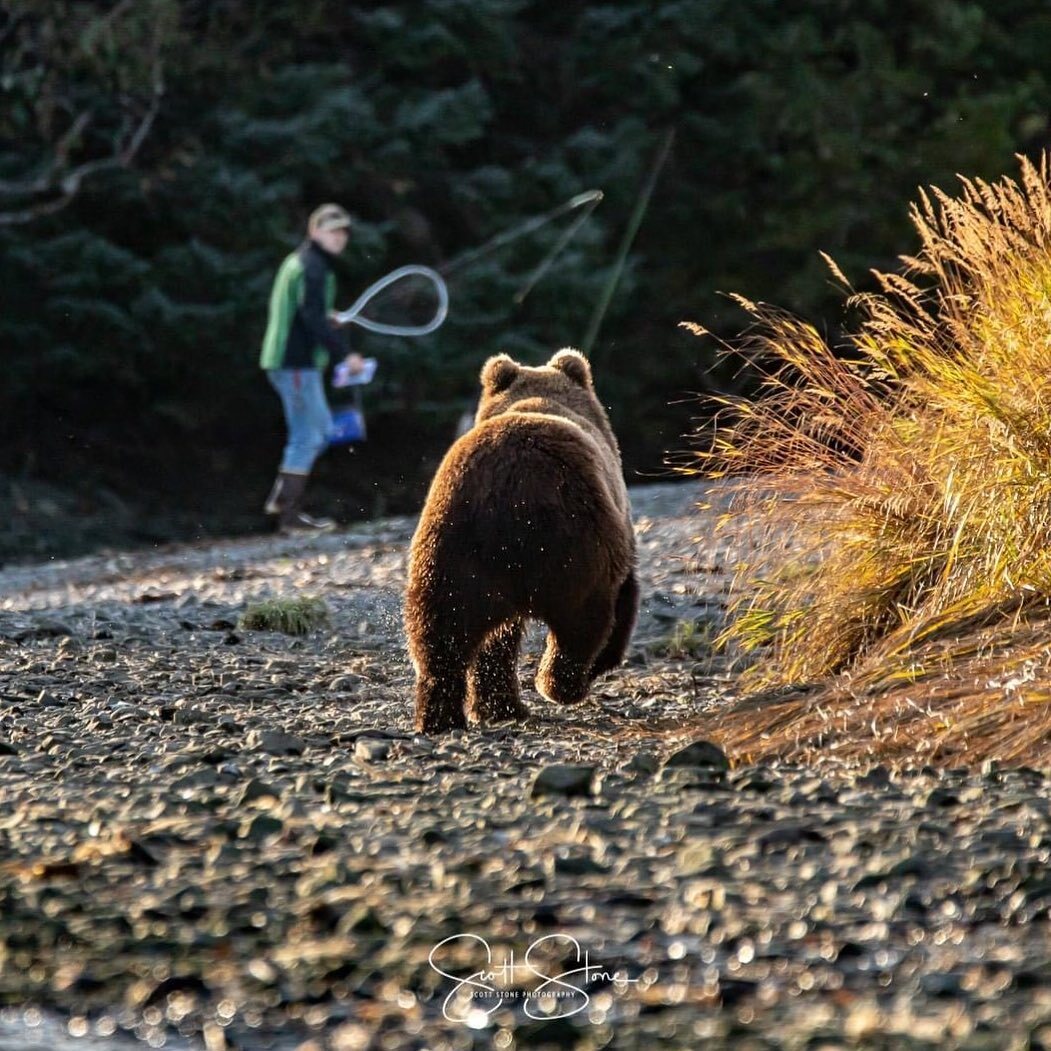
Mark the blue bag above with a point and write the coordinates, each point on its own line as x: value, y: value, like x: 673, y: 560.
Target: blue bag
x: 348, y: 425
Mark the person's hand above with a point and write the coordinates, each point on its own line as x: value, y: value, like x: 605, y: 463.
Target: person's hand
x: 354, y: 363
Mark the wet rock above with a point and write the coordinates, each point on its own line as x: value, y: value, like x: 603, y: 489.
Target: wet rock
x: 876, y: 777
x: 204, y: 778
x: 147, y: 994
x: 261, y: 827
x: 344, y: 683
x: 49, y: 627
x: 565, y: 779
x: 642, y: 764
x: 577, y: 864
x: 941, y: 985
x: 254, y: 790
x: 371, y: 749
x: 385, y: 735
x: 190, y: 716
x: 942, y: 797
x: 816, y: 789
x: 276, y: 742
x: 702, y: 754
x: 789, y: 835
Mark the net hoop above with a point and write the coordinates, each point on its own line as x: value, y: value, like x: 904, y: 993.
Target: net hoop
x: 353, y: 313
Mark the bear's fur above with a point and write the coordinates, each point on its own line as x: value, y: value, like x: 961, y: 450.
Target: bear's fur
x: 527, y: 516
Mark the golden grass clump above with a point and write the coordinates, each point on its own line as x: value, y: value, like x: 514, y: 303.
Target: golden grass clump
x: 897, y: 497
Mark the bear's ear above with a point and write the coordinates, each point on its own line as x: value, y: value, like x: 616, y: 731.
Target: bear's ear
x: 574, y: 365
x: 498, y: 373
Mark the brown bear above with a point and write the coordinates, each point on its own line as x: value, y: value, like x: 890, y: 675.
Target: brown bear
x: 527, y: 516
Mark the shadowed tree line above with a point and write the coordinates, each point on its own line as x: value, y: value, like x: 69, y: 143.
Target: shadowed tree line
x: 157, y: 159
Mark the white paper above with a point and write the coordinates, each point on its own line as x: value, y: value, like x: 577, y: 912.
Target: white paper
x: 342, y: 376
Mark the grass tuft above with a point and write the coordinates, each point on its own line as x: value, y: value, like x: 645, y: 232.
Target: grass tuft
x: 688, y: 640
x: 293, y: 616
x: 898, y: 494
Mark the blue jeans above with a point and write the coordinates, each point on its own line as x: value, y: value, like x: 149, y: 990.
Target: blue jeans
x: 307, y: 414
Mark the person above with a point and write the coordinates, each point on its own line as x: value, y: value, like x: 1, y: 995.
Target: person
x: 301, y: 338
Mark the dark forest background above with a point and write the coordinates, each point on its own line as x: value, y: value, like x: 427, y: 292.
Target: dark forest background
x: 158, y: 159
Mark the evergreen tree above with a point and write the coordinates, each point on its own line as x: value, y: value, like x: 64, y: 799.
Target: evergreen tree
x: 134, y: 296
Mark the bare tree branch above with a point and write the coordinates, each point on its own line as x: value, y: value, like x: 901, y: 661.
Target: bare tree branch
x: 116, y: 11
x: 67, y: 183
x: 36, y: 211
x: 46, y: 181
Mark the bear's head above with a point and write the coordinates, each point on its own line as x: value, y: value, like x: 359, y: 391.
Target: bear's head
x: 563, y: 387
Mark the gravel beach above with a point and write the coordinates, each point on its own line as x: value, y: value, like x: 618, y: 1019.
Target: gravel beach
x: 218, y: 838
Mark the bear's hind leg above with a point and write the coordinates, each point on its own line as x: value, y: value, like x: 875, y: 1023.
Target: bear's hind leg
x: 575, y: 638
x: 492, y: 681
x: 441, y: 692
x: 442, y: 648
x: 624, y: 613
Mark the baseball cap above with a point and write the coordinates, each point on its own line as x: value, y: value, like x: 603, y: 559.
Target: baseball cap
x: 328, y: 217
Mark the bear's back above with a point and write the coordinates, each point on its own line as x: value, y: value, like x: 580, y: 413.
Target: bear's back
x: 529, y: 498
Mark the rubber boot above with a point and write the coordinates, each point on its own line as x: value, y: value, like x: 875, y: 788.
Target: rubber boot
x: 273, y: 500
x: 290, y: 518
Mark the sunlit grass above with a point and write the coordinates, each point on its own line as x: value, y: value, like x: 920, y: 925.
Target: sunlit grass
x: 900, y: 492
x: 688, y: 640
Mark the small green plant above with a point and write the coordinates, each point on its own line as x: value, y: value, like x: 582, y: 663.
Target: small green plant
x: 689, y: 640
x: 293, y: 616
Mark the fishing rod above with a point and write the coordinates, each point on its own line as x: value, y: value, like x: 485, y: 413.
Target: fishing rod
x: 589, y: 201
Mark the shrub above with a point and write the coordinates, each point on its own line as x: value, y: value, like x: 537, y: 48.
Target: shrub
x: 900, y: 491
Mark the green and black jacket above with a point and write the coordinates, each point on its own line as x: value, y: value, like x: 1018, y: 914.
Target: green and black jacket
x: 298, y: 334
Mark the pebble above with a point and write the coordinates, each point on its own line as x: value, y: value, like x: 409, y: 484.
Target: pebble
x: 565, y: 779
x: 700, y: 753
x: 642, y: 764
x: 262, y: 826
x: 276, y: 742
x: 255, y: 789
x: 371, y: 750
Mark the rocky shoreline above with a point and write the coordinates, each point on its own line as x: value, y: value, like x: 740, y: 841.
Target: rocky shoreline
x: 215, y: 838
